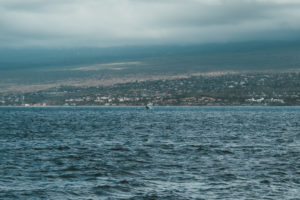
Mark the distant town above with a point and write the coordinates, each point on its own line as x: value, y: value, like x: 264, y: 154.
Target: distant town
x: 232, y: 89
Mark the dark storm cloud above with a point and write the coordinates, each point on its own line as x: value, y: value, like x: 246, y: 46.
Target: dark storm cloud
x: 130, y: 22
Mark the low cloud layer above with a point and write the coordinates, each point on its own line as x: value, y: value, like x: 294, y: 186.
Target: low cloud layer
x: 98, y: 23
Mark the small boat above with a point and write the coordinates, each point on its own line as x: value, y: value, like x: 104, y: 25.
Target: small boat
x: 149, y: 106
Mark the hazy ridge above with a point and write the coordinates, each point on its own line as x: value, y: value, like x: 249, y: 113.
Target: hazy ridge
x: 31, y: 69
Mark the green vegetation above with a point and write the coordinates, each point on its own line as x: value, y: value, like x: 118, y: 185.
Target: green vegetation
x: 227, y: 89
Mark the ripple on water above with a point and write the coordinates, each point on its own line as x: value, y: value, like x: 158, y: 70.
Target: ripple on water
x: 168, y: 153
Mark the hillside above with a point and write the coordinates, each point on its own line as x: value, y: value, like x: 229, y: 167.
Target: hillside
x: 35, y: 69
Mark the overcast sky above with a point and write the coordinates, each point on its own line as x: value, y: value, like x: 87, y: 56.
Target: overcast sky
x: 86, y: 23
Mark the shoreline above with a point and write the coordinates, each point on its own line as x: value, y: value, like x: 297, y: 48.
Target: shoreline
x: 158, y: 106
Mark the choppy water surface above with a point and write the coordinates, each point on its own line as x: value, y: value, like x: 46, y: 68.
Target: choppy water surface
x: 164, y: 153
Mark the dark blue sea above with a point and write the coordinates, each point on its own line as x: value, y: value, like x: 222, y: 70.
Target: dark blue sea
x: 165, y: 153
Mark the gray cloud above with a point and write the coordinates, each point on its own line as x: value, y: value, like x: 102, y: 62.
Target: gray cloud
x: 69, y: 23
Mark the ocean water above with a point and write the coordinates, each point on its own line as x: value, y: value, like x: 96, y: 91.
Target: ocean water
x: 163, y: 153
